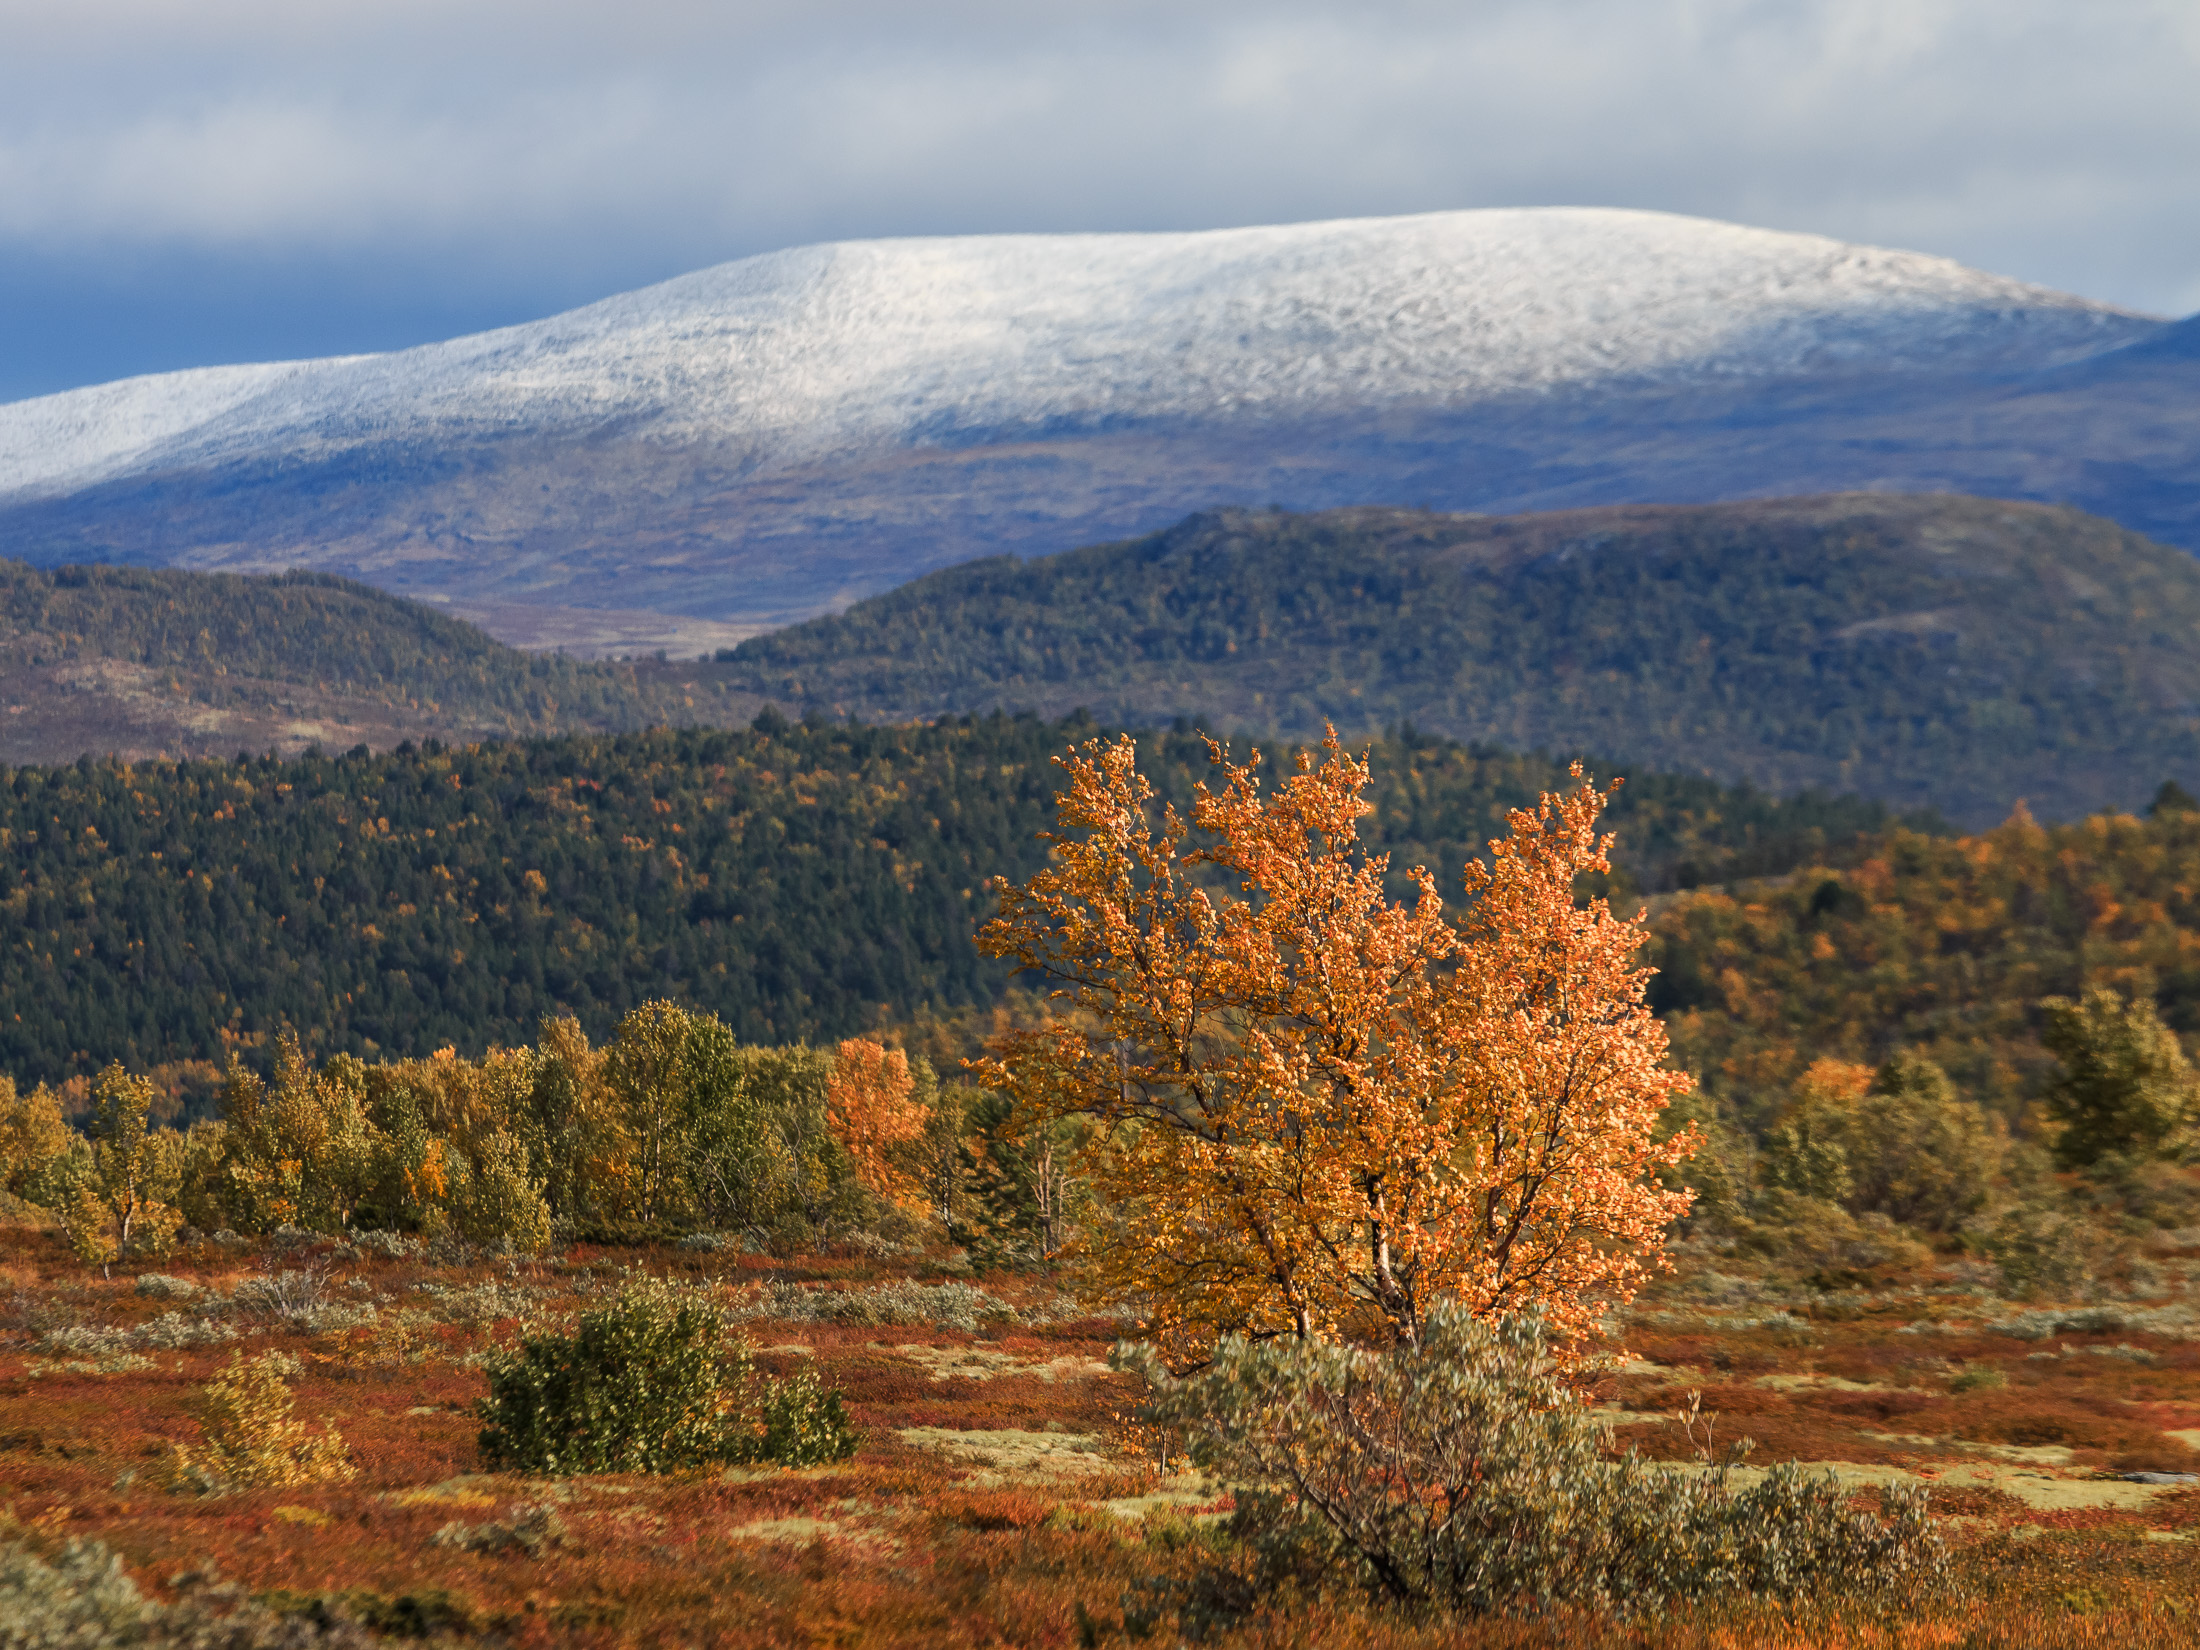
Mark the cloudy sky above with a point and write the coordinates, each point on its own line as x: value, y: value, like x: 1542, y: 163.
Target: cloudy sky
x: 193, y: 181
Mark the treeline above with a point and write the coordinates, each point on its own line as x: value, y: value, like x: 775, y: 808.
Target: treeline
x: 1851, y: 1171
x: 1939, y: 651
x: 800, y: 882
x: 1969, y: 1043
x: 674, y: 1126
x: 1944, y: 946
x: 211, y: 633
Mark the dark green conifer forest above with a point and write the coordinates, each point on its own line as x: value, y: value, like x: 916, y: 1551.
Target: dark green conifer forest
x: 800, y: 881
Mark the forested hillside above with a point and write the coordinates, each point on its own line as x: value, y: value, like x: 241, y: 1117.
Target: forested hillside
x: 143, y: 662
x: 1934, y: 651
x: 799, y: 881
x: 1945, y: 946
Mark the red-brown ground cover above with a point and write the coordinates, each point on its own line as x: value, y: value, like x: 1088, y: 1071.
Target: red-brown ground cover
x: 1002, y: 1494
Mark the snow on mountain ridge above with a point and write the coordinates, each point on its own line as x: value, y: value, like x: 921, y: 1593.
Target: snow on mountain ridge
x: 805, y: 354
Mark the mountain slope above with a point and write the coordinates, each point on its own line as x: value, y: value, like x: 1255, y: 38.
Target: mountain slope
x: 1951, y: 652
x: 775, y: 436
x: 806, y: 354
x: 792, y: 879
x: 150, y: 662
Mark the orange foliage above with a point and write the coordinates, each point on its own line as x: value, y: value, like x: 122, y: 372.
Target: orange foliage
x: 1840, y: 1084
x: 872, y: 1109
x: 1322, y: 1110
x: 1942, y: 946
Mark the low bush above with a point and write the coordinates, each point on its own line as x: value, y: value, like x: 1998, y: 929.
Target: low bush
x: 1465, y: 1474
x: 962, y: 1306
x: 2164, y: 1196
x: 248, y: 1439
x: 86, y: 1341
x: 1836, y: 1247
x: 528, y: 1530
x: 387, y: 1245
x: 481, y: 1303
x: 649, y: 1384
x: 280, y: 1292
x: 2043, y: 1323
x: 113, y: 1363
x: 85, y: 1600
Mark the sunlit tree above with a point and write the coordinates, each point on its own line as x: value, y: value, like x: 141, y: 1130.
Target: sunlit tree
x: 126, y: 1204
x: 875, y: 1113
x: 1320, y: 1110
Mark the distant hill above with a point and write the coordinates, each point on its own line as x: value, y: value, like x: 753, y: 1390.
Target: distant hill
x: 801, y: 881
x: 154, y: 662
x: 769, y: 439
x: 1937, y: 651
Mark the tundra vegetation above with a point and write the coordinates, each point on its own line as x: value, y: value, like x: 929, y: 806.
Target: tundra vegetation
x: 1315, y: 1259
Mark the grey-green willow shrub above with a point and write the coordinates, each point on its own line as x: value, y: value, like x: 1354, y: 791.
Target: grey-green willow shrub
x: 1466, y: 1475
x: 83, y: 1599
x: 951, y: 1305
x: 650, y: 1384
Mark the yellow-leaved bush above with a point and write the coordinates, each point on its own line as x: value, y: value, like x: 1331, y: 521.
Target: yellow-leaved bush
x: 249, y: 1439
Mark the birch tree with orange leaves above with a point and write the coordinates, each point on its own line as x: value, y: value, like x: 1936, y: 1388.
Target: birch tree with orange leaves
x: 1319, y: 1110
x: 874, y: 1111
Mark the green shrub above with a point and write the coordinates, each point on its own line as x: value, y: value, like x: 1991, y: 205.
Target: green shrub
x: 2126, y: 1088
x: 1828, y: 1242
x: 1466, y: 1475
x: 1905, y: 1146
x: 1920, y: 1153
x: 800, y: 1424
x: 2045, y: 1251
x: 649, y: 1384
x: 499, y: 1205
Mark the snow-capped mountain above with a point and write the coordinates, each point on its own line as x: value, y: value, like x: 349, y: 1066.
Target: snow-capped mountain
x: 777, y: 434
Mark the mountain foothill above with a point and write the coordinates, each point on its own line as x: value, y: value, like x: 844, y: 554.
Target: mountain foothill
x: 1953, y: 653
x: 156, y: 662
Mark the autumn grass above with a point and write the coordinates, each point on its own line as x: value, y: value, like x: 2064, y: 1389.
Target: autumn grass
x: 908, y: 1544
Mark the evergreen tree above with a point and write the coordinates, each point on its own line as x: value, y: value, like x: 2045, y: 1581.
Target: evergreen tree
x: 2126, y: 1088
